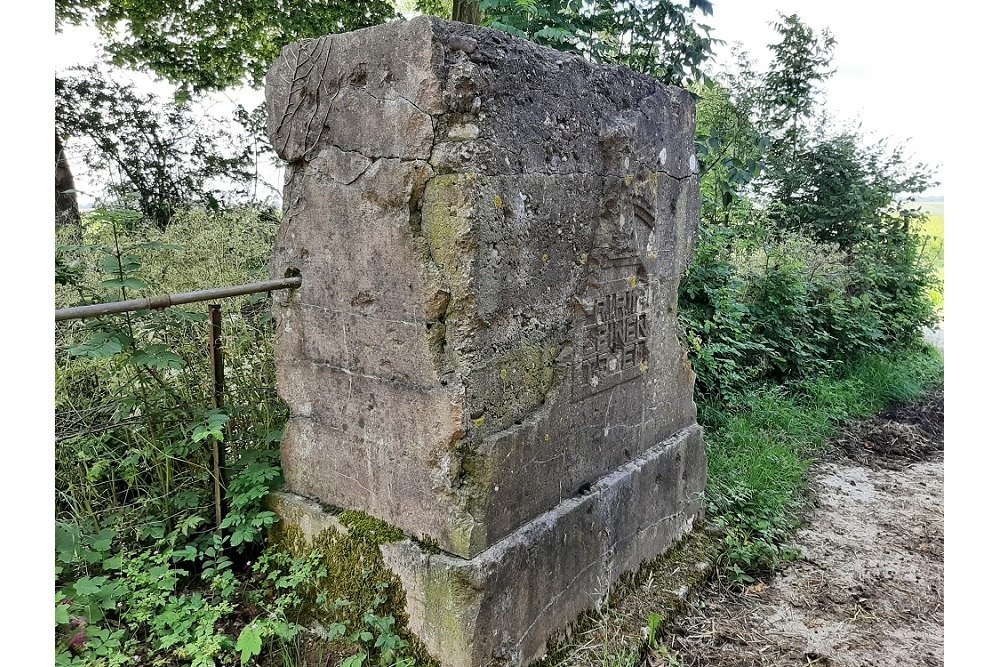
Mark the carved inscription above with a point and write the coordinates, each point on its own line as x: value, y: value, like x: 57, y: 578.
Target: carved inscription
x: 611, y: 345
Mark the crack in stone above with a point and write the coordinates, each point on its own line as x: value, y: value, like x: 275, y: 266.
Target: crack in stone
x: 390, y: 381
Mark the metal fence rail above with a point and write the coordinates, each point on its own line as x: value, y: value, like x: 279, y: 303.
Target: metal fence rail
x: 154, y: 302
x: 218, y: 454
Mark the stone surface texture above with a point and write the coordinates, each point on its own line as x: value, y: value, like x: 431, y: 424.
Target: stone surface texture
x: 490, y: 236
x: 501, y: 607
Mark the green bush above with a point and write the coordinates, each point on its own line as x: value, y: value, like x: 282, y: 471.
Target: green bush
x: 139, y: 570
x: 765, y: 305
x: 132, y: 390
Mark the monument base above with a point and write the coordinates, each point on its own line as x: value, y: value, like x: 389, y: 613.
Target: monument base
x: 502, y: 606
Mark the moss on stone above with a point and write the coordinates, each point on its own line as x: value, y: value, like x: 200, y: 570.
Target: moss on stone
x: 468, y: 534
x: 515, y: 384
x: 445, y: 220
x: 653, y: 183
x: 368, y: 528
x: 448, y: 596
x: 356, y: 572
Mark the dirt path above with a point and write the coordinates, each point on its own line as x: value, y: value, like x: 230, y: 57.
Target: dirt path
x: 869, y: 588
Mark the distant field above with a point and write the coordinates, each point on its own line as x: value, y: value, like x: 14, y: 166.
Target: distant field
x: 933, y: 207
x: 932, y: 231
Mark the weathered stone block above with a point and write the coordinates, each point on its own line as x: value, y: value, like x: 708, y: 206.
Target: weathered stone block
x: 489, y: 232
x: 501, y: 606
x: 490, y: 235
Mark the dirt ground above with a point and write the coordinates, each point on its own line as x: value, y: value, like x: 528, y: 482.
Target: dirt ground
x: 869, y: 588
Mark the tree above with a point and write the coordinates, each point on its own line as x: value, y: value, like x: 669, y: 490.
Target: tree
x: 157, y: 156
x: 800, y: 62
x: 211, y: 45
x: 730, y: 140
x: 654, y: 37
x: 811, y: 262
x: 467, y: 11
x: 67, y: 210
x: 844, y: 192
x: 198, y: 46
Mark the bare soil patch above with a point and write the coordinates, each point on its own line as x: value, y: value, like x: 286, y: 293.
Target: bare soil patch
x: 868, y: 589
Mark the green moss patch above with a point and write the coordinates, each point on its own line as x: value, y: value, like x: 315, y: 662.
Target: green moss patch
x: 356, y: 582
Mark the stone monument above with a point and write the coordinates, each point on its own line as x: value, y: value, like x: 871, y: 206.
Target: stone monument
x: 484, y: 351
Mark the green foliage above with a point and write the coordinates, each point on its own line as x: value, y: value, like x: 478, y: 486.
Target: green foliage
x: 841, y: 191
x: 760, y: 306
x: 154, y: 156
x: 258, y: 475
x: 807, y: 258
x: 758, y: 453
x: 135, y: 606
x: 137, y: 571
x: 729, y: 145
x: 659, y: 38
x: 440, y: 8
x: 249, y: 642
x: 653, y: 629
x: 293, y: 589
x: 801, y: 61
x: 133, y: 464
x: 807, y: 291
x: 133, y: 392
x: 376, y: 638
x: 144, y: 606
x: 723, y: 351
x: 211, y: 45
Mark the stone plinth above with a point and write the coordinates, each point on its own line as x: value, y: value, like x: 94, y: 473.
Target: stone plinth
x: 484, y: 351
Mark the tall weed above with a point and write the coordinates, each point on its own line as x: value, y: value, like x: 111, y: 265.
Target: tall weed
x: 132, y: 389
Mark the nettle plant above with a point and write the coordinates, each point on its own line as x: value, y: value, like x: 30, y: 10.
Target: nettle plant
x: 141, y: 570
x: 134, y: 405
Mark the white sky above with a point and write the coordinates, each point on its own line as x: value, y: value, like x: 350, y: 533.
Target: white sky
x: 77, y: 46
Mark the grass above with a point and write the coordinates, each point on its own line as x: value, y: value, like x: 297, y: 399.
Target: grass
x: 758, y: 457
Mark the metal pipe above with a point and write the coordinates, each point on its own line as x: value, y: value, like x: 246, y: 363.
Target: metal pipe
x: 113, y: 307
x: 218, y: 382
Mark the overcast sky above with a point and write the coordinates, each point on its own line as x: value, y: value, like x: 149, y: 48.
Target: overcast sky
x: 889, y: 58
x: 889, y: 64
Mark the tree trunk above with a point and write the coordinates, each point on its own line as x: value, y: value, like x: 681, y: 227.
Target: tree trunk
x: 67, y: 210
x: 467, y: 11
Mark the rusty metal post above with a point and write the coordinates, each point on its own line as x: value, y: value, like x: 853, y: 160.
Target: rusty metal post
x: 219, y: 388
